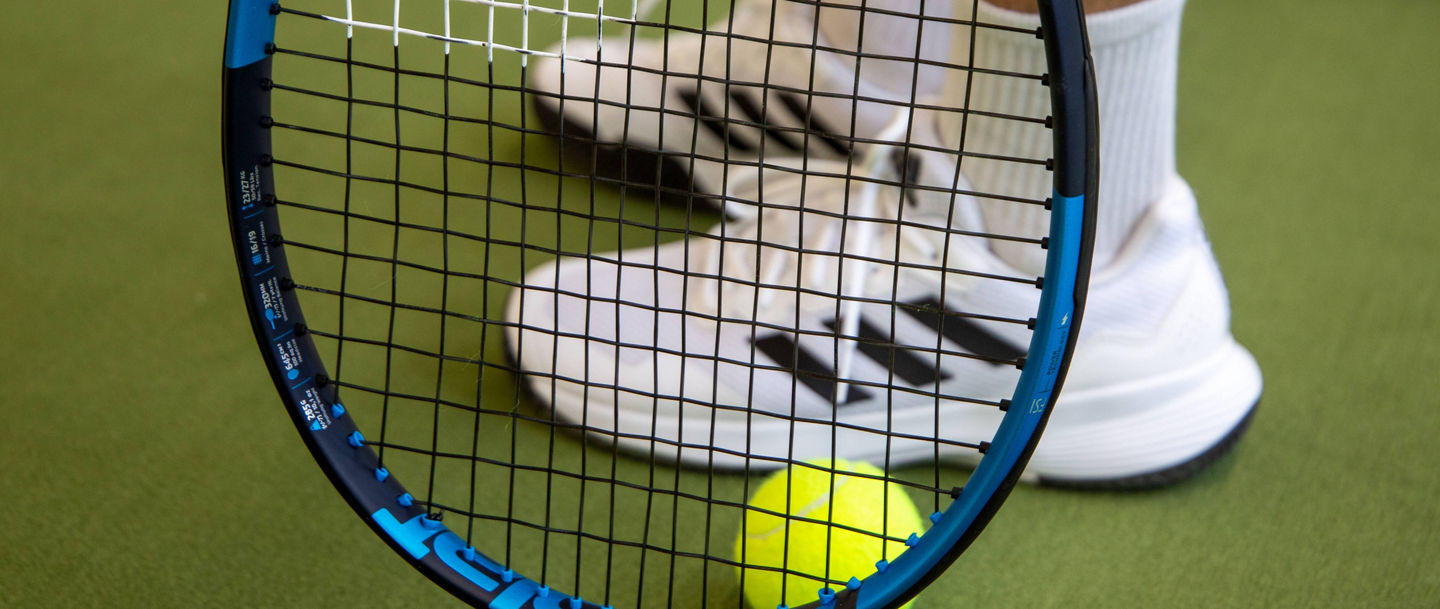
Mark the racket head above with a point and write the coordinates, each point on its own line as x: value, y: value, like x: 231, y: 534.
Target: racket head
x: 417, y: 526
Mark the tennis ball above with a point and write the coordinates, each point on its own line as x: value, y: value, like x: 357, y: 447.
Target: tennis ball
x: 816, y: 494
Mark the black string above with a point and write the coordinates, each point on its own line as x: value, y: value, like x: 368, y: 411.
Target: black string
x: 519, y: 163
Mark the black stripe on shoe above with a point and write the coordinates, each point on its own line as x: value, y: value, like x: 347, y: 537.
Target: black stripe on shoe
x: 806, y: 368
x: 714, y: 123
x: 963, y: 331
x: 813, y: 124
x: 755, y: 114
x: 879, y: 346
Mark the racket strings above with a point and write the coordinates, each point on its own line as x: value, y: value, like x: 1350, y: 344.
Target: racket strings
x: 428, y: 233
x: 632, y: 486
x: 441, y: 355
x: 577, y: 427
x: 721, y: 81
x: 692, y: 274
x: 481, y: 161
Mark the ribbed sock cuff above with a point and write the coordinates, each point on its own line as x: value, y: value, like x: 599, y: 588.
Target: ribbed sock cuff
x: 893, y: 36
x: 1136, y: 52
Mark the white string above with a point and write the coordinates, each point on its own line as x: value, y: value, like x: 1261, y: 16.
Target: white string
x: 525, y: 31
x: 564, y: 31
x: 440, y: 37
x: 565, y: 13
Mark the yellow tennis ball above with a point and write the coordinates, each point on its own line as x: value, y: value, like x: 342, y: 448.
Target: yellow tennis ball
x: 867, y: 504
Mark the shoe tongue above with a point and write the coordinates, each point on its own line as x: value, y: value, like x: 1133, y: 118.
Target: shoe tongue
x: 917, y: 188
x: 876, y: 224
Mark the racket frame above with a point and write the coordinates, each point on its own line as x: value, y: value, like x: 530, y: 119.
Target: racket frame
x: 296, y: 368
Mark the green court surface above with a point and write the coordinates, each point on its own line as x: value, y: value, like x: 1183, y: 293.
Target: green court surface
x: 145, y: 460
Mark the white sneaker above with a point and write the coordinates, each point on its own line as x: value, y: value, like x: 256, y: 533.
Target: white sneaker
x: 682, y: 352
x: 1158, y: 389
x: 642, y: 112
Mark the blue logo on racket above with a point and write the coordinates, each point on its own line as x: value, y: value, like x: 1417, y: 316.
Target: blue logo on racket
x: 412, y: 534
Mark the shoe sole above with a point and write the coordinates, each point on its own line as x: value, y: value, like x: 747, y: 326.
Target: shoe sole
x: 1162, y: 478
x: 1183, y: 422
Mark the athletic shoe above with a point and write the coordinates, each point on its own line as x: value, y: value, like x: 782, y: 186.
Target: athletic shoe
x: 638, y: 110
x: 688, y: 351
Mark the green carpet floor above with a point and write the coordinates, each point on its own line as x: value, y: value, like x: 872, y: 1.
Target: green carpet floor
x: 146, y: 462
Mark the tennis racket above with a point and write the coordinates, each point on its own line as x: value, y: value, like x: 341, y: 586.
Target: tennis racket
x: 546, y: 351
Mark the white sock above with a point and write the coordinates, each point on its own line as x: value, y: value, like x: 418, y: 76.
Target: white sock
x: 894, y: 36
x: 1136, y: 52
